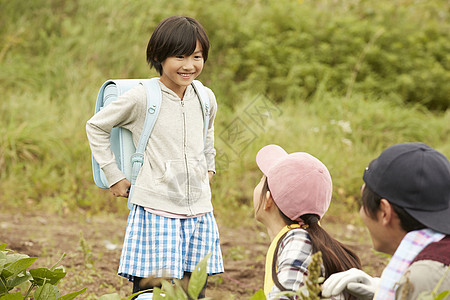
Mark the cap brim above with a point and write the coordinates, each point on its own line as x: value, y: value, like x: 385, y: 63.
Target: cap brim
x: 436, y: 220
x: 269, y: 156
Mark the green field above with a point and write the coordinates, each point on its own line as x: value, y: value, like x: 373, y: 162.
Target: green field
x: 340, y: 79
x: 345, y: 80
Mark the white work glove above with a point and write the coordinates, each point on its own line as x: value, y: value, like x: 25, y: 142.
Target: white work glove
x: 354, y: 281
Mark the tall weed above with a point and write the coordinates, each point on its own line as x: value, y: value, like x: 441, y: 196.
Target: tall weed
x: 302, y: 56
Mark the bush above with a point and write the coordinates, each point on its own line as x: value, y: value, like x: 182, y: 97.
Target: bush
x: 367, y: 57
x: 397, y: 50
x: 38, y: 283
x: 389, y: 49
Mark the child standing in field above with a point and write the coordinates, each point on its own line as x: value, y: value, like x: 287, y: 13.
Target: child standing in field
x: 171, y: 225
x: 292, y: 196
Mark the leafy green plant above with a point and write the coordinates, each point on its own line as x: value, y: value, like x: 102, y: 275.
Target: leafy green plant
x: 313, y: 280
x: 311, y: 289
x: 176, y: 291
x: 39, y: 283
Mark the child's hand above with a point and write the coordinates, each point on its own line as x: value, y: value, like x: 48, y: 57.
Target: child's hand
x: 121, y: 188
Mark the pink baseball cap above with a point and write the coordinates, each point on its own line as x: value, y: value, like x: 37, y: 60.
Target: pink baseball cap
x: 299, y: 183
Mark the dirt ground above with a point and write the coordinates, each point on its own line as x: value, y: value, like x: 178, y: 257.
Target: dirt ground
x: 93, y: 244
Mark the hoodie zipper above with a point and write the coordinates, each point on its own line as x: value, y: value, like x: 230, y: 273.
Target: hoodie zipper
x: 185, y: 157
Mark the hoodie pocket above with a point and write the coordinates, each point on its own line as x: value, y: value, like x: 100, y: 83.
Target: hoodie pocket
x: 198, y: 178
x: 173, y: 183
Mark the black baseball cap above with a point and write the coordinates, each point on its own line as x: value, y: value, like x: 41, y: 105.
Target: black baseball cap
x: 415, y: 177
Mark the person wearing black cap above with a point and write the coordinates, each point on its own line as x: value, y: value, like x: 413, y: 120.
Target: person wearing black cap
x: 406, y: 208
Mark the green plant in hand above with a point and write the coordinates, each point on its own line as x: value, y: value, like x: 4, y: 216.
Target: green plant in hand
x: 312, y: 282
x: 40, y: 283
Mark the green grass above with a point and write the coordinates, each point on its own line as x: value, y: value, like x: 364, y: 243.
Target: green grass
x: 54, y: 55
x: 346, y: 134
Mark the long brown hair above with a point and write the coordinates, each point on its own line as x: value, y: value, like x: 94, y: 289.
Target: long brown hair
x: 336, y: 256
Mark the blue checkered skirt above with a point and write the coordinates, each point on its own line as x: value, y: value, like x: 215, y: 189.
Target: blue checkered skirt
x: 168, y: 247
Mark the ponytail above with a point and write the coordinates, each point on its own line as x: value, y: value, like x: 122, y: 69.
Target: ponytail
x: 336, y: 256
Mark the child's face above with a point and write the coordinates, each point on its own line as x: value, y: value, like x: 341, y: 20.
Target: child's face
x: 178, y: 72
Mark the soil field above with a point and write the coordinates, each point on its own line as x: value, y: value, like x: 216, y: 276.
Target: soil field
x: 93, y: 244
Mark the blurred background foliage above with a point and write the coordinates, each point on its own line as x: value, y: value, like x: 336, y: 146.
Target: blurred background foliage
x: 346, y: 79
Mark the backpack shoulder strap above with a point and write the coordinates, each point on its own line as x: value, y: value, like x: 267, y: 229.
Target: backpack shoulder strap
x: 275, y: 279
x: 109, y: 92
x: 274, y: 264
x: 153, y: 106
x: 204, y: 103
x: 154, y: 97
x: 437, y: 251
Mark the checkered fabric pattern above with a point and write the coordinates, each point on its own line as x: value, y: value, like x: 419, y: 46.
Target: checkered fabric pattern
x: 294, y: 256
x: 168, y: 247
x: 411, y: 245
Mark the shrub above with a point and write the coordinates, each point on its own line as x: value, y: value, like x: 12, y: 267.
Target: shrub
x: 286, y: 49
x: 39, y: 283
x: 55, y: 54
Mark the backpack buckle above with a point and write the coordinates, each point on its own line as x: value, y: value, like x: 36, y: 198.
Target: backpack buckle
x: 152, y: 109
x: 137, y: 158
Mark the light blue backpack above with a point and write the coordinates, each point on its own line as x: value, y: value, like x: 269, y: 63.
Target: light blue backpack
x: 129, y: 157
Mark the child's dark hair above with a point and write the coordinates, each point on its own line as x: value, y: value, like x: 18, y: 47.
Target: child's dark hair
x: 176, y: 36
x: 371, y: 204
x: 336, y: 257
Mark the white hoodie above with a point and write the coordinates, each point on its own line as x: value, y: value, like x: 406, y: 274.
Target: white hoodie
x: 174, y: 175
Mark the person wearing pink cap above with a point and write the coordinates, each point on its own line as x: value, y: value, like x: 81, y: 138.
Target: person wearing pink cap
x: 292, y: 196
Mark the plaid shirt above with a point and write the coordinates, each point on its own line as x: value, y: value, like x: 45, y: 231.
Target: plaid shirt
x: 410, y: 246
x: 294, y: 256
